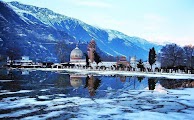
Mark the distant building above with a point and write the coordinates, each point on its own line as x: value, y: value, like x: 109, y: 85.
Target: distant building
x: 91, y: 48
x: 105, y: 64
x: 133, y: 62
x: 157, y: 64
x: 76, y: 56
x: 122, y: 61
x: 23, y: 62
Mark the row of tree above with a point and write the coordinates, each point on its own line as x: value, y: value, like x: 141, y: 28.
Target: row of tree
x: 173, y: 55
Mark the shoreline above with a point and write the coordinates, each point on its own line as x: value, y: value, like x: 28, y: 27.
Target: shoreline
x: 116, y: 72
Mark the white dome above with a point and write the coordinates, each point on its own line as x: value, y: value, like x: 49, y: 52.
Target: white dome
x: 76, y: 53
x: 133, y: 59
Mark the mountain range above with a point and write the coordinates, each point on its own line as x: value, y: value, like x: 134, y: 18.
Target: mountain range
x: 35, y: 32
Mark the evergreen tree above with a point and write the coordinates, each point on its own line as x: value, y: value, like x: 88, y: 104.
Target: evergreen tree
x: 152, y: 57
x: 140, y: 65
x: 87, y: 59
x: 97, y: 58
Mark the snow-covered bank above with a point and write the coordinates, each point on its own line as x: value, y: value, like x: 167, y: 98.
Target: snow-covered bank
x: 116, y: 72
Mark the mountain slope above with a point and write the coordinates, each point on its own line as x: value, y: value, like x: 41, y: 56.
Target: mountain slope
x: 21, y: 37
x: 110, y: 41
x: 31, y: 37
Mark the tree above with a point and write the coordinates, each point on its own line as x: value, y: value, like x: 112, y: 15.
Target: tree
x: 61, y: 49
x: 87, y: 59
x: 97, y: 58
x: 188, y: 51
x: 13, y: 52
x: 140, y: 65
x: 172, y: 55
x: 152, y: 57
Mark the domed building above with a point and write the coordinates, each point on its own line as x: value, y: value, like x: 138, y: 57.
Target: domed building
x: 76, y: 56
x: 133, y: 62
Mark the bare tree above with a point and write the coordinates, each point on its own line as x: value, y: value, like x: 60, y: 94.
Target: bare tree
x: 189, y: 51
x: 61, y: 49
x: 172, y: 55
x: 13, y: 52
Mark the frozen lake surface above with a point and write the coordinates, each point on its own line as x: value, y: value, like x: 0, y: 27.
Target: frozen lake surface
x: 50, y: 95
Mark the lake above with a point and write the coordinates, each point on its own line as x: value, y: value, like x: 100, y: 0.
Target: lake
x: 59, y: 95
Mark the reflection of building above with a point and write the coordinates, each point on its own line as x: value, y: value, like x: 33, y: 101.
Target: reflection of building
x: 91, y: 49
x: 92, y: 84
x: 25, y: 72
x: 75, y: 81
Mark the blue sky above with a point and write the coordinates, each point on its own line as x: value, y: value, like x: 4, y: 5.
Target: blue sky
x: 155, y: 20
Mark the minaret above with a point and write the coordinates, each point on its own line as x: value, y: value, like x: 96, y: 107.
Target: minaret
x: 91, y: 49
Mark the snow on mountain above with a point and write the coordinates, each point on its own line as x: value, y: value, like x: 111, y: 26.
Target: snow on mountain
x: 111, y: 42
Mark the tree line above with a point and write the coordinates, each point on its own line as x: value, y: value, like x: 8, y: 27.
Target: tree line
x: 172, y: 55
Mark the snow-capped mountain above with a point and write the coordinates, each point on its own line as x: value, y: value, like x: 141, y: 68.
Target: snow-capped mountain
x: 56, y: 27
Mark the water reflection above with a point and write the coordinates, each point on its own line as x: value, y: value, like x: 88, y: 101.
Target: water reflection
x: 76, y: 81
x: 41, y: 93
x: 151, y: 83
x: 85, y: 85
x: 122, y: 78
x: 140, y: 78
x: 92, y: 84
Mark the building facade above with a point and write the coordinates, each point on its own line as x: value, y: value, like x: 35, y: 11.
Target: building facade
x: 76, y: 56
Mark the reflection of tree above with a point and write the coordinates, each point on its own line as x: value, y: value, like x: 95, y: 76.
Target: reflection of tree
x: 140, y: 78
x: 172, y: 84
x: 62, y: 81
x: 151, y: 83
x: 92, y: 84
x: 122, y: 78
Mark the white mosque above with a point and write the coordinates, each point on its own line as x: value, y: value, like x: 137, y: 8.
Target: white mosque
x: 76, y: 57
